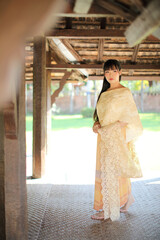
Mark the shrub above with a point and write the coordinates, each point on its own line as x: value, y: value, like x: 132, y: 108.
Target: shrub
x: 87, y: 112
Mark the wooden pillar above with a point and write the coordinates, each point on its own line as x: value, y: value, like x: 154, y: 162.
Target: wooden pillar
x: 49, y: 113
x: 49, y: 105
x: 39, y: 107
x: 13, y: 194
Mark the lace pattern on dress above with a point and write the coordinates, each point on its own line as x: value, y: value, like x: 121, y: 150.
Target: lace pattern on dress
x: 117, y: 159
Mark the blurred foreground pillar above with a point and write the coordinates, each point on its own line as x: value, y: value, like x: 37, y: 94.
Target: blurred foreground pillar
x: 13, y: 193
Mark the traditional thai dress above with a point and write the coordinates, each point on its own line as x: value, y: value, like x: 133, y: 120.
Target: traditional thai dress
x: 116, y: 160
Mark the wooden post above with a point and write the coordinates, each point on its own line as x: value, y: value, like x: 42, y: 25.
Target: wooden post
x: 49, y: 105
x: 49, y: 113
x: 39, y: 107
x: 13, y: 194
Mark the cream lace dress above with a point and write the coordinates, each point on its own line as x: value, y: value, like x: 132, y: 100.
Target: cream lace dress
x: 118, y: 157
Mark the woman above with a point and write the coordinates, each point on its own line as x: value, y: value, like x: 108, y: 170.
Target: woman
x: 118, y: 125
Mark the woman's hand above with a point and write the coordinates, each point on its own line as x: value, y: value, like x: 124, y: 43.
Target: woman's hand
x: 123, y: 124
x: 96, y: 126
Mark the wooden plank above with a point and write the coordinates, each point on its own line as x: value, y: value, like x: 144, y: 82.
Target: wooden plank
x: 100, y: 66
x: 84, y: 33
x: 100, y: 53
x: 139, y: 4
x: 82, y: 6
x: 39, y: 107
x: 100, y: 49
x: 95, y: 11
x: 118, y: 9
x: 13, y: 193
x: 157, y: 33
x: 71, y: 49
x: 91, y: 15
x: 135, y: 53
x: 145, y: 24
x: 129, y: 78
x: 62, y: 83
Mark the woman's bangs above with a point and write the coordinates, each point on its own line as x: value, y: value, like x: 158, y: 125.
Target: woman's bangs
x: 111, y: 64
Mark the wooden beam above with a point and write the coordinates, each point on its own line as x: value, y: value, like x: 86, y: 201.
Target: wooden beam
x: 145, y: 24
x: 56, y: 54
x: 129, y: 78
x: 13, y: 192
x: 100, y: 53
x: 85, y: 33
x: 71, y: 49
x: 100, y: 49
x: 94, y: 11
x: 62, y: 83
x: 97, y: 14
x: 59, y: 57
x: 100, y: 66
x: 68, y: 23
x: 39, y: 107
x: 156, y: 33
x: 135, y: 53
x: 118, y: 9
x: 82, y: 6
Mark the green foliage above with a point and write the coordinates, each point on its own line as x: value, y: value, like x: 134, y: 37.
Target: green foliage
x: 87, y: 112
x: 135, y: 86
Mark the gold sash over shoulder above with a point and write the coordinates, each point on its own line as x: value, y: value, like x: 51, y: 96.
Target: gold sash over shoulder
x: 118, y: 157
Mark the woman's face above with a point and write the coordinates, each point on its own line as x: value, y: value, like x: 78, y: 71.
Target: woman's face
x: 112, y: 75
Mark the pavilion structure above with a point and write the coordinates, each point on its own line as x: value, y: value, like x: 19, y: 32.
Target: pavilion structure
x: 90, y: 32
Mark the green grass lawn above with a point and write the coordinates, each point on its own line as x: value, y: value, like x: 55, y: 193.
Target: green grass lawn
x: 150, y: 122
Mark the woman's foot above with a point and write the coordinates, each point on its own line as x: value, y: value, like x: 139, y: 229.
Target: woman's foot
x: 128, y: 203
x: 98, y: 216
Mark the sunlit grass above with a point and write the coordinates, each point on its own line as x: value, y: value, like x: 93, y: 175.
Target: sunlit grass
x: 150, y: 122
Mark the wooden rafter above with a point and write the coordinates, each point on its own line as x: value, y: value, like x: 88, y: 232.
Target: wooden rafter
x: 100, y: 66
x: 118, y: 9
x: 100, y: 53
x: 129, y: 78
x: 56, y: 53
x: 85, y: 33
x: 100, y: 49
x: 71, y: 50
x: 94, y: 11
x: 138, y: 4
x: 145, y: 24
x: 135, y: 53
x: 82, y: 6
x: 62, y: 83
x: 62, y: 58
x: 157, y: 33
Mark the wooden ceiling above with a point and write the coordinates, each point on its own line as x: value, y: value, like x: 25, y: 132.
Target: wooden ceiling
x: 100, y: 34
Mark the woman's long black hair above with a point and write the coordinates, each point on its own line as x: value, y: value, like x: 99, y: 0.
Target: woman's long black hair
x: 107, y: 65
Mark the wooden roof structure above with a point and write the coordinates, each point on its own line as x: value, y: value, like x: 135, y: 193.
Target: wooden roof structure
x: 108, y: 30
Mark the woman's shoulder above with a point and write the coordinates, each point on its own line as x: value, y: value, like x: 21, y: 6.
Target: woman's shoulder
x: 126, y: 88
x: 127, y: 91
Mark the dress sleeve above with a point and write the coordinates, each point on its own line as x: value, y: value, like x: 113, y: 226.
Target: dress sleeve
x: 130, y: 115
